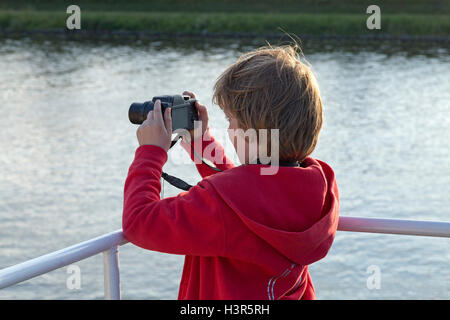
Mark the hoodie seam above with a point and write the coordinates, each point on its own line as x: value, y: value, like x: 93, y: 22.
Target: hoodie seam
x: 224, y: 229
x: 224, y: 233
x: 222, y: 218
x: 325, y: 182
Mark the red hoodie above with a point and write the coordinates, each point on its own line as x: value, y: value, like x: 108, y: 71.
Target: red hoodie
x: 245, y: 235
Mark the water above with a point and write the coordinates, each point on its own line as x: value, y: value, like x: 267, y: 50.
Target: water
x: 66, y: 145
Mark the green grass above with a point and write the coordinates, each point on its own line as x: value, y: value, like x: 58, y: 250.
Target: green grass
x: 255, y: 23
x: 323, y: 17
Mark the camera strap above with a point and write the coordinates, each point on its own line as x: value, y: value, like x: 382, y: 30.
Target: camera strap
x: 177, y: 182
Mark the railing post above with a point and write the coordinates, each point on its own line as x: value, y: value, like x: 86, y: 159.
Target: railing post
x: 111, y: 273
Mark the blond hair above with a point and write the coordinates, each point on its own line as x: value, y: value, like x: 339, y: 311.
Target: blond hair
x: 270, y: 88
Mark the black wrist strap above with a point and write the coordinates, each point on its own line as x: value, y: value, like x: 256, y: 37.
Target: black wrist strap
x: 176, y: 182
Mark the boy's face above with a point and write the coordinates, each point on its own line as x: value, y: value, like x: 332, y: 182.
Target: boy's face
x: 243, y: 153
x: 232, y: 126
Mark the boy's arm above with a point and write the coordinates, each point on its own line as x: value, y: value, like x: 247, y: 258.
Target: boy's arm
x: 207, y: 148
x: 190, y: 223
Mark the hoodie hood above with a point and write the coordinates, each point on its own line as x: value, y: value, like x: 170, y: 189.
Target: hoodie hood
x: 296, y: 213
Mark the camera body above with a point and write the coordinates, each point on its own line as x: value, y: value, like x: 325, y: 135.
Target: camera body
x: 183, y: 111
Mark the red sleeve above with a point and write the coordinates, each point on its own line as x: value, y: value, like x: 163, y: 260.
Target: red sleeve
x: 208, y: 148
x: 190, y: 223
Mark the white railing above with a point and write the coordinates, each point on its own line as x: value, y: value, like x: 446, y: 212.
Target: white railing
x: 108, y: 244
x: 395, y: 226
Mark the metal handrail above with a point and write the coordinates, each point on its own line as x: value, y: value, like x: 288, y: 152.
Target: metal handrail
x: 395, y: 226
x: 108, y: 245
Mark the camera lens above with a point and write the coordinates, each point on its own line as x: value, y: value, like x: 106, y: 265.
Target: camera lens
x: 138, y: 111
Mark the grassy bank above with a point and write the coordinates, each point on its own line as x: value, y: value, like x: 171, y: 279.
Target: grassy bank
x: 419, y: 18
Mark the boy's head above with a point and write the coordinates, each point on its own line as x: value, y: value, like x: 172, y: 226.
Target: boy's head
x: 270, y: 88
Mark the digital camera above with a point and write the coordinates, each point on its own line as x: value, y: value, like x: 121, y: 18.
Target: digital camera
x: 183, y: 112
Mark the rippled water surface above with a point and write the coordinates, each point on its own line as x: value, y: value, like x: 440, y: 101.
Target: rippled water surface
x: 66, y: 145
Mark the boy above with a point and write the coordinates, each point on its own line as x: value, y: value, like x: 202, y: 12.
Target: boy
x: 245, y: 235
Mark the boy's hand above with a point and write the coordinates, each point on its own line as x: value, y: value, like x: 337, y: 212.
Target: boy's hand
x: 156, y: 130
x: 202, y: 115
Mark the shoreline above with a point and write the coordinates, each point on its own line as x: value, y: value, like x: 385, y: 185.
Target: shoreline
x: 145, y: 35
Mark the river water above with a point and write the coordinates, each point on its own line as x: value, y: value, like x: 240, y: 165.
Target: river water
x: 66, y: 145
